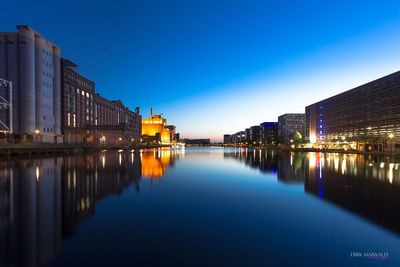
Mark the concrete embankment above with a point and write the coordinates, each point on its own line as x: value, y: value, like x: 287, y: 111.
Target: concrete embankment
x: 8, y: 150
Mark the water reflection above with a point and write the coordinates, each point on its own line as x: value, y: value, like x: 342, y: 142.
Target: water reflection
x: 43, y: 201
x: 156, y: 161
x: 366, y: 185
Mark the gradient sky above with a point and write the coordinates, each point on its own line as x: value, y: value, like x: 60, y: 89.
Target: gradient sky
x: 215, y: 67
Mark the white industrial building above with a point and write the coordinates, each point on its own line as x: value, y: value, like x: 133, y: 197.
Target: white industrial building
x: 32, y: 64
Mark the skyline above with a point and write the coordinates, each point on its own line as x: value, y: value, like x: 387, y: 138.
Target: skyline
x: 233, y: 82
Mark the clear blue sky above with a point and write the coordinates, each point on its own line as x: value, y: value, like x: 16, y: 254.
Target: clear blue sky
x: 215, y: 67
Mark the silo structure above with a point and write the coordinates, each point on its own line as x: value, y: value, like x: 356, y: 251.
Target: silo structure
x: 57, y: 90
x: 42, y: 88
x: 27, y: 81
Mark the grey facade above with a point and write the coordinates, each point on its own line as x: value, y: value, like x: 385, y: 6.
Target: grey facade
x: 288, y: 124
x: 32, y: 63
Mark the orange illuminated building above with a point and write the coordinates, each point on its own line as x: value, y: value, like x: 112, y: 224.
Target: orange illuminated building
x: 154, y: 130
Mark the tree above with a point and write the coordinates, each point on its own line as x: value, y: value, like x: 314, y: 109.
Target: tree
x: 297, y: 138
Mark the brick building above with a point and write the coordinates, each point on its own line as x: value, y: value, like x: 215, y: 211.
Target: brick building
x: 88, y: 118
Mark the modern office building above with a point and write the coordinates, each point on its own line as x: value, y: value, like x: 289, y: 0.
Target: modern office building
x: 255, y: 136
x: 269, y: 132
x: 289, y: 124
x: 88, y: 118
x: 32, y: 63
x: 227, y: 139
x: 364, y: 118
x: 247, y: 135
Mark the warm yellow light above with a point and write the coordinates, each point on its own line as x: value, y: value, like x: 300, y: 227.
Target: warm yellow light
x: 37, y: 131
x: 391, y: 136
x: 120, y: 139
x: 37, y: 173
x: 313, y: 139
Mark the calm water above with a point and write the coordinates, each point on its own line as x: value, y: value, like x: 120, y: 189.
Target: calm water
x: 200, y: 207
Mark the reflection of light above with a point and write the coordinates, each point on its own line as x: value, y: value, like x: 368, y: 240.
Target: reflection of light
x: 120, y: 159
x: 37, y: 173
x: 336, y: 162
x: 344, y: 165
x: 382, y: 165
x: 291, y: 159
x: 103, y: 160
x: 321, y: 165
x: 313, y: 160
x: 121, y: 150
x: 390, y: 172
x: 74, y: 181
x: 313, y: 139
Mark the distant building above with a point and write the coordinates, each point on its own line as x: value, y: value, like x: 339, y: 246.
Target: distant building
x: 88, y: 118
x: 172, y: 130
x: 255, y: 134
x: 247, y: 135
x: 233, y: 138
x: 288, y: 124
x: 269, y: 132
x: 32, y: 63
x: 200, y: 142
x: 155, y: 131
x: 177, y: 137
x: 364, y: 118
x: 227, y: 139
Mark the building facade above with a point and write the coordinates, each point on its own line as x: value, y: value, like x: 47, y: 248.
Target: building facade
x: 255, y: 136
x: 227, y: 139
x: 89, y: 118
x: 288, y: 124
x: 364, y: 118
x: 269, y: 132
x: 155, y: 130
x: 32, y: 63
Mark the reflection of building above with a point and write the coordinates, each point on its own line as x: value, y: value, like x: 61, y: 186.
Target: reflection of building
x: 30, y: 211
x: 91, y: 118
x: 264, y: 160
x: 155, y: 162
x: 292, y: 168
x: 155, y: 130
x: 90, y: 178
x: 288, y: 124
x: 364, y: 118
x: 32, y: 63
x: 44, y: 200
x: 367, y: 186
